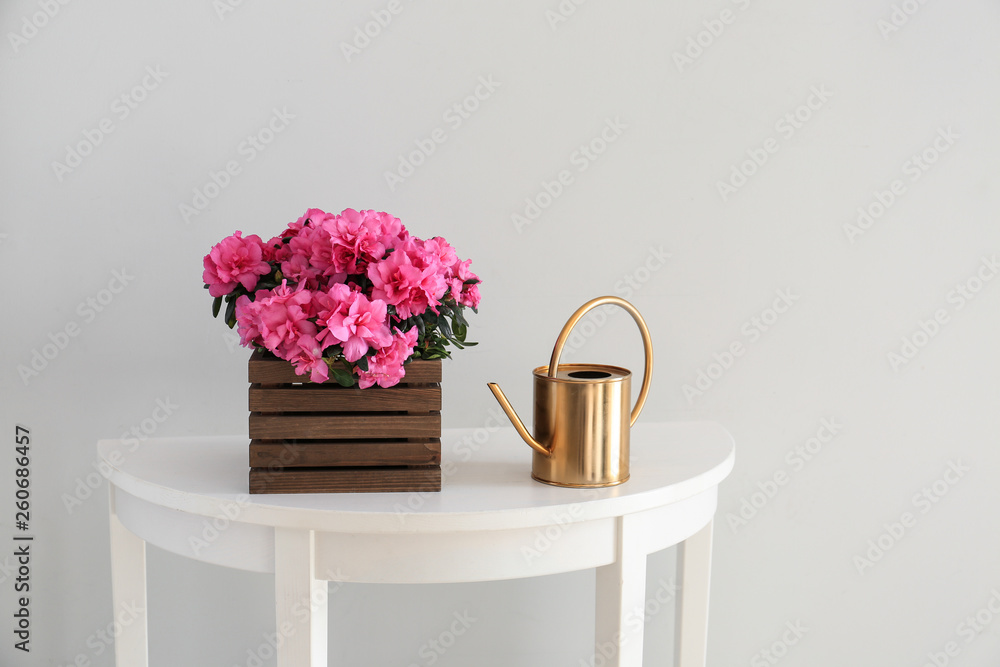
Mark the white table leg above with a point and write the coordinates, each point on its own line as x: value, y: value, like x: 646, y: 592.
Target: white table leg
x: 300, y: 600
x: 128, y: 591
x: 621, y: 601
x: 694, y: 568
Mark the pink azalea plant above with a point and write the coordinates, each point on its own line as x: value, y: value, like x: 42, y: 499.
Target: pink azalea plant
x: 352, y: 296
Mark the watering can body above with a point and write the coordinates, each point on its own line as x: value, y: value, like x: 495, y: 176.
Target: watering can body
x: 582, y: 416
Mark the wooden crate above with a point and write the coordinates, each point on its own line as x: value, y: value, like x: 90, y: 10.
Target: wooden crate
x: 324, y: 438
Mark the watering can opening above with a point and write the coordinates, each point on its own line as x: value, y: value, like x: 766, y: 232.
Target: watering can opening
x: 583, y: 373
x: 589, y: 375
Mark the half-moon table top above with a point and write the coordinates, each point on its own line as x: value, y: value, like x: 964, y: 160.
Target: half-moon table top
x: 486, y: 482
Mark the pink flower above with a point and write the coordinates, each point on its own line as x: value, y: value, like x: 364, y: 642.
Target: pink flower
x: 440, y: 250
x: 313, y: 217
x: 410, y: 279
x: 312, y: 248
x: 309, y: 358
x: 385, y: 367
x: 247, y: 322
x: 469, y: 296
x: 279, y: 319
x: 391, y: 231
x: 340, y: 273
x: 277, y: 250
x: 357, y: 240
x: 354, y: 322
x: 316, y: 246
x: 234, y: 260
x: 463, y: 293
x: 297, y: 268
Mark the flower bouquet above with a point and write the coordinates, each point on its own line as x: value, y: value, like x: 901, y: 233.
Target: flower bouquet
x: 351, y: 296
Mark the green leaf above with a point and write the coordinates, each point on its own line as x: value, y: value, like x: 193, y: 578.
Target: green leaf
x: 445, y: 327
x: 362, y: 363
x: 343, y: 377
x: 437, y: 350
x: 231, y: 313
x: 216, y: 306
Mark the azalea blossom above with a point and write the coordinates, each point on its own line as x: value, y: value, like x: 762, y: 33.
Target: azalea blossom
x: 234, y: 260
x: 385, y: 367
x: 278, y: 318
x: 309, y: 358
x: 412, y: 287
x: 354, y: 322
x: 357, y: 240
x: 464, y: 284
x: 342, y: 288
x: 439, y: 250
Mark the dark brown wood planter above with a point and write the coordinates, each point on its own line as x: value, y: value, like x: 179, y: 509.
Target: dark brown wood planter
x: 324, y: 438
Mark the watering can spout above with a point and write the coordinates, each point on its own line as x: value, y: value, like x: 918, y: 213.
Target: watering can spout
x: 516, y: 421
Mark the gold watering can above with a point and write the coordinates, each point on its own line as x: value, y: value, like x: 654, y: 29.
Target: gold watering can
x: 582, y: 417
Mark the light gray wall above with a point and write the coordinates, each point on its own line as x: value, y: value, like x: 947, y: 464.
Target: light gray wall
x: 887, y: 81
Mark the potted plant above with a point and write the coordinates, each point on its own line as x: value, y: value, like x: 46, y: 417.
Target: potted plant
x: 338, y: 309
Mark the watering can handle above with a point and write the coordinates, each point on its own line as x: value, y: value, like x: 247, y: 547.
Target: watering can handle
x: 646, y: 342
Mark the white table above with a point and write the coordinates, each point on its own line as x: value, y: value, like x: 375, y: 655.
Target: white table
x: 491, y: 521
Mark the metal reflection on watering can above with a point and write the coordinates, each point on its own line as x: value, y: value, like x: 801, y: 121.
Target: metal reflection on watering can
x: 582, y: 417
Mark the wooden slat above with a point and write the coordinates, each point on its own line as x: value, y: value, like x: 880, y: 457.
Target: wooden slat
x: 345, y: 480
x: 267, y: 368
x: 344, y: 426
x: 322, y: 453
x: 334, y: 398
